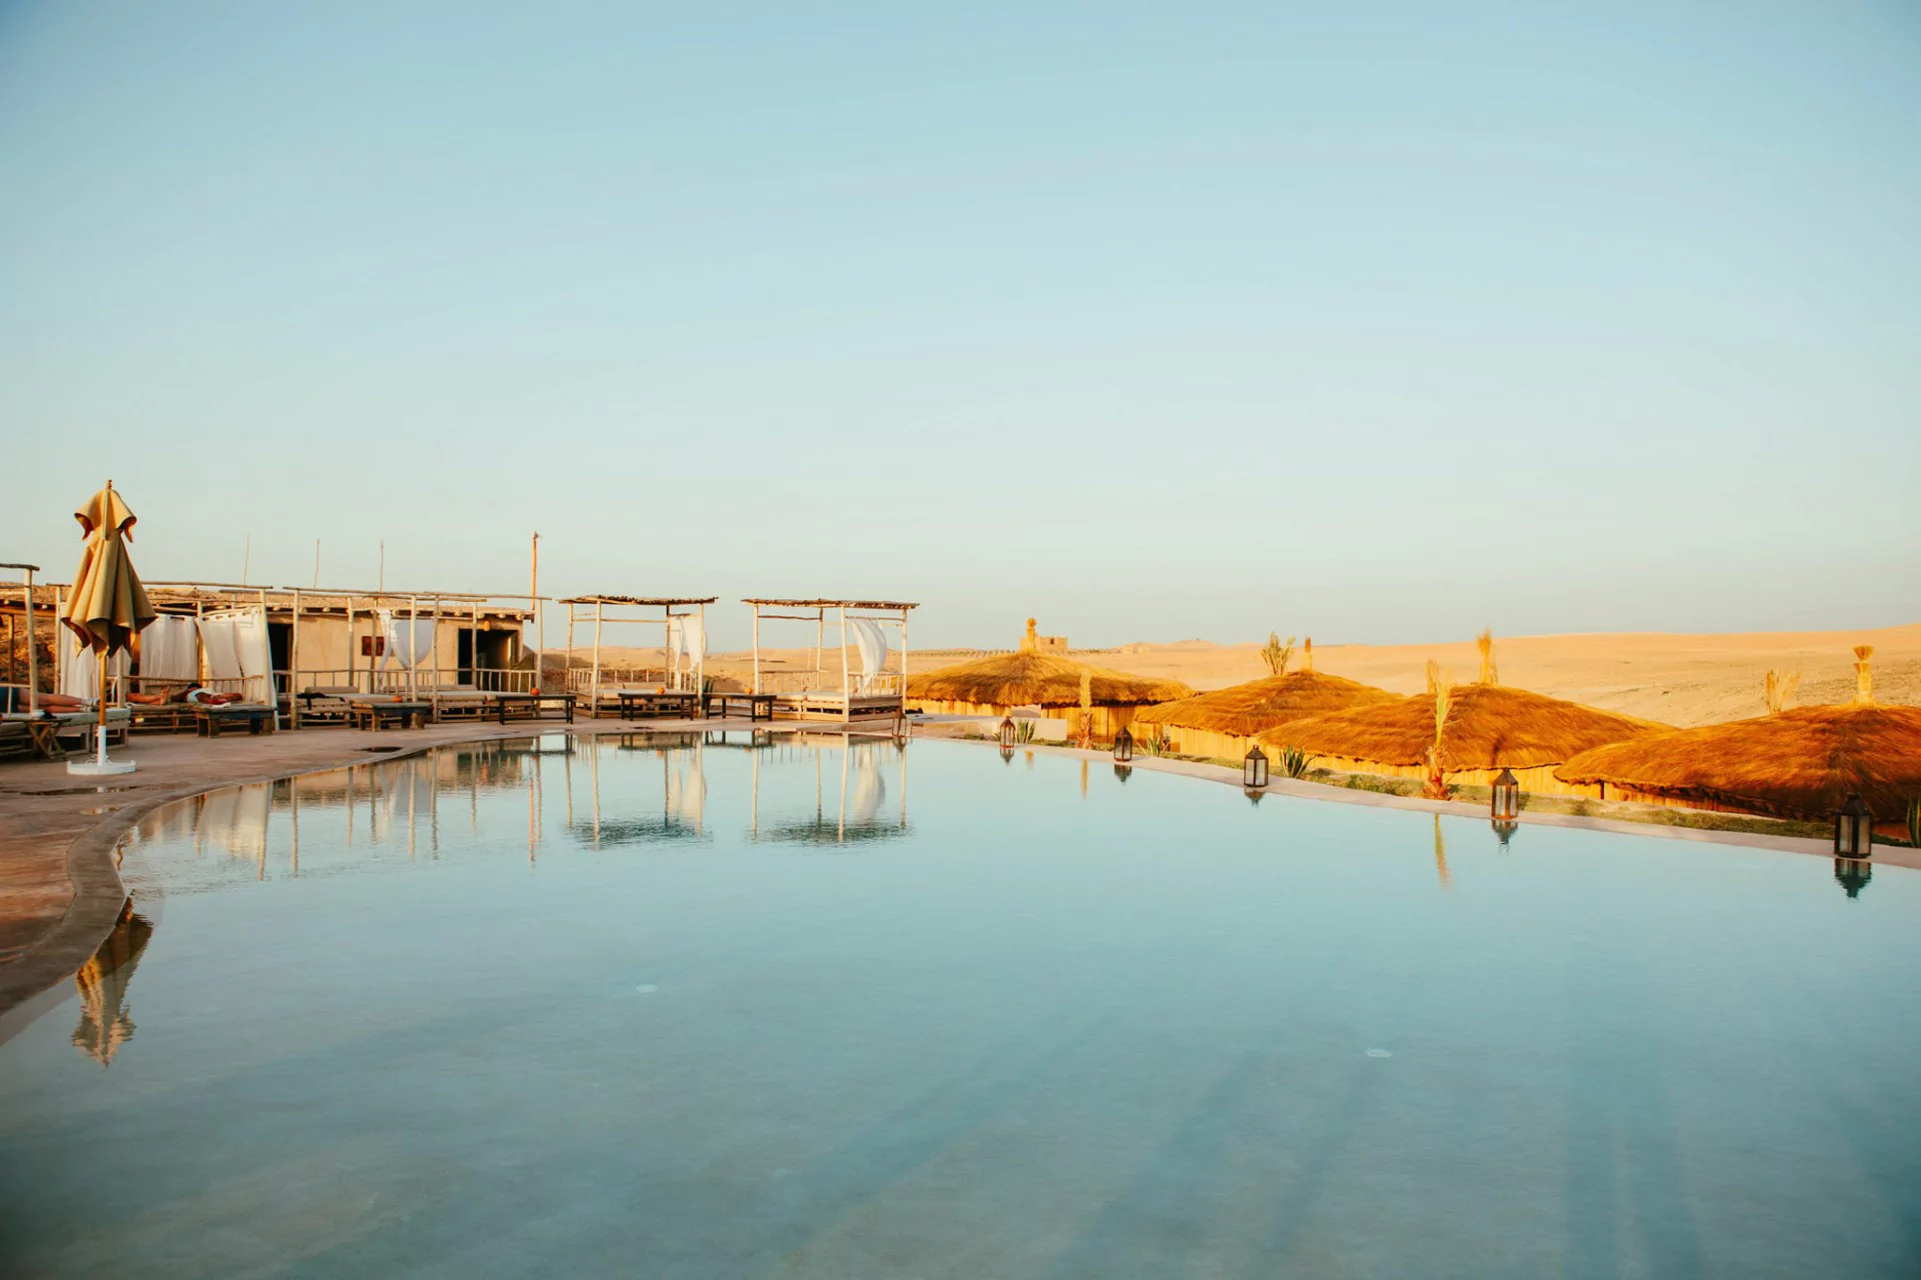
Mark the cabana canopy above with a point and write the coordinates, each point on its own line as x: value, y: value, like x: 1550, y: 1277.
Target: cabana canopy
x: 683, y: 623
x: 1026, y: 678
x: 876, y: 691
x: 1803, y: 763
x: 1489, y: 726
x: 1258, y: 705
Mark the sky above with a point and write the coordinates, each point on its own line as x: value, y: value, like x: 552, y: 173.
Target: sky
x: 1379, y: 322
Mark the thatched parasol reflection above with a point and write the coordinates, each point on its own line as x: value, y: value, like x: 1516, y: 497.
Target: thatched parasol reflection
x: 105, y: 1023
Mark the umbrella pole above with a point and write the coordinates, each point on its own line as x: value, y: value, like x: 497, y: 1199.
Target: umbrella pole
x: 101, y: 757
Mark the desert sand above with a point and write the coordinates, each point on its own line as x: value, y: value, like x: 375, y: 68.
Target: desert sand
x: 1677, y: 679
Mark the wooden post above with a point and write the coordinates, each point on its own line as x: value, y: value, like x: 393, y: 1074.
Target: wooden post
x: 567, y: 678
x: 33, y: 651
x: 756, y: 654
x: 846, y: 691
x: 413, y: 658
x: 903, y: 664
x: 700, y: 664
x: 600, y: 613
x: 293, y: 702
x: 59, y: 649
x: 473, y: 648
x: 533, y: 600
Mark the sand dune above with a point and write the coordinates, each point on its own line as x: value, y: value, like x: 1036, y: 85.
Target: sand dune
x: 1679, y: 679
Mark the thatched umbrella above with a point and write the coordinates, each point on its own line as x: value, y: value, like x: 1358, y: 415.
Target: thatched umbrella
x: 1802, y: 763
x: 1489, y: 727
x: 108, y: 607
x: 1220, y: 722
x: 996, y: 685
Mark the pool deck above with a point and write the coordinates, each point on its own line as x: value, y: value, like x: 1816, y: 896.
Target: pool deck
x: 60, y: 893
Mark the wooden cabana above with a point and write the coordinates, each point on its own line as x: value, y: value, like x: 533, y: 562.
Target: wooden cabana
x: 26, y: 633
x: 1000, y: 683
x: 1802, y: 763
x: 675, y: 686
x: 876, y: 690
x: 1224, y: 723
x: 1489, y: 727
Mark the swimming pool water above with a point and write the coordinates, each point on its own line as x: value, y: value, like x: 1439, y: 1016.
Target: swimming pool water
x: 806, y: 1006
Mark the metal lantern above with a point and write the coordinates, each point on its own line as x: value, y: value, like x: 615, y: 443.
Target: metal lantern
x: 1505, y: 802
x: 1254, y: 770
x: 1123, y: 747
x: 1853, y: 830
x: 1853, y: 874
x: 1007, y: 732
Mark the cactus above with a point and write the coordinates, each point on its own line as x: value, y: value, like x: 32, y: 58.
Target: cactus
x: 1293, y: 762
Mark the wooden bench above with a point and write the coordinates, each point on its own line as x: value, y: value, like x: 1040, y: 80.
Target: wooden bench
x: 210, y: 722
x: 529, y: 706
x: 378, y: 714
x: 638, y: 705
x: 760, y: 706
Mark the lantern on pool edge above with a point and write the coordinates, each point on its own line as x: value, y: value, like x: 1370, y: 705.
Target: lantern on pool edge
x: 1853, y: 830
x: 1123, y: 747
x: 1254, y: 770
x: 1007, y: 732
x: 1505, y: 797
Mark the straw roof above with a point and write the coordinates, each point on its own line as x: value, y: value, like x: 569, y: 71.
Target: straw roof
x: 1040, y: 679
x: 1802, y: 763
x: 1248, y: 709
x: 1489, y: 726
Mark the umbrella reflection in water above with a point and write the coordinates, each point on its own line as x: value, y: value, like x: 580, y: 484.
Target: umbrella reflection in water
x: 105, y: 1024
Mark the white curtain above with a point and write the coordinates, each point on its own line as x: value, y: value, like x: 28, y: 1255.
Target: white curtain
x: 410, y: 642
x: 693, y: 637
x: 170, y: 649
x: 80, y: 678
x: 236, y: 646
x: 869, y: 788
x: 872, y: 642
x: 236, y: 818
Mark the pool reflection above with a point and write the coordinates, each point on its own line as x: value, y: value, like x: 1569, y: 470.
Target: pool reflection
x: 634, y: 789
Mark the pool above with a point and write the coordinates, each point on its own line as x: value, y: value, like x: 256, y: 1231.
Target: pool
x: 780, y: 1005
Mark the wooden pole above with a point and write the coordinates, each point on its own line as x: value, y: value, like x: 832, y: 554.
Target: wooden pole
x: 600, y: 610
x: 413, y: 658
x: 567, y: 677
x: 533, y: 599
x: 33, y: 651
x: 293, y: 698
x: 846, y: 688
x: 756, y: 654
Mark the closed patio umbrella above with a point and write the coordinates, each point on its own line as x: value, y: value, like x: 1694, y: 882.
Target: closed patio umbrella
x: 108, y: 606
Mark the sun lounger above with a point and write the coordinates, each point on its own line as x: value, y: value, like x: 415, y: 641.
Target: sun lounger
x: 210, y: 719
x: 16, y: 739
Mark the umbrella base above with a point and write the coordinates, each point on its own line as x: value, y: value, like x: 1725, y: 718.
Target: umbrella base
x: 98, y: 768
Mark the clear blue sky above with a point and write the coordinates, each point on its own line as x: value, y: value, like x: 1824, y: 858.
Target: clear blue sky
x: 1377, y: 322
